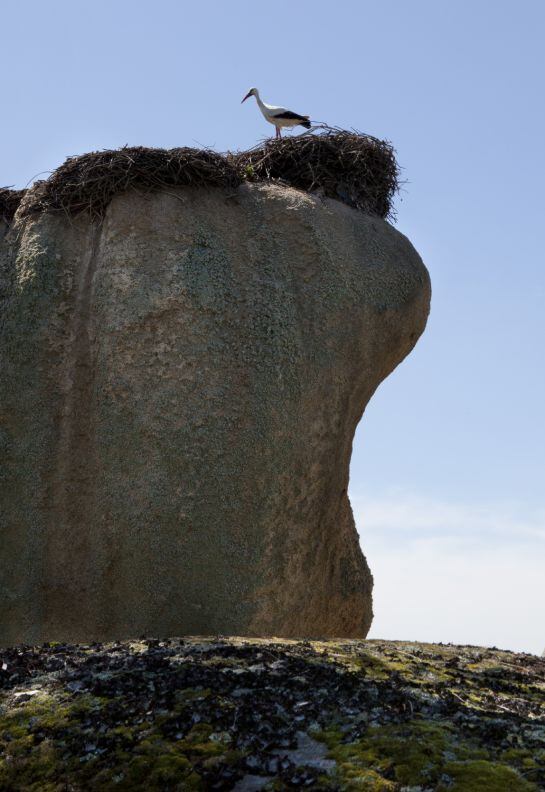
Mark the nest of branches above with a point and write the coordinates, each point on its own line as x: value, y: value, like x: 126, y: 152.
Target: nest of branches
x: 9, y: 202
x: 89, y: 182
x: 358, y: 169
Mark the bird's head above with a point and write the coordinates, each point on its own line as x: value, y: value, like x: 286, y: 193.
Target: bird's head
x: 251, y: 92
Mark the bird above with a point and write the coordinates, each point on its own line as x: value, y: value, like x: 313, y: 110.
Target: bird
x: 278, y: 116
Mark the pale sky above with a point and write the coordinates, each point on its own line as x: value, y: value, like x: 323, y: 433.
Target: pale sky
x: 448, y: 471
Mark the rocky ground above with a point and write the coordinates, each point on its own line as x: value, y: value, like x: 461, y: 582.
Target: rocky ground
x: 237, y: 714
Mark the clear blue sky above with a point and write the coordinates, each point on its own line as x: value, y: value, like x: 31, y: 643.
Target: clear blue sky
x: 448, y: 474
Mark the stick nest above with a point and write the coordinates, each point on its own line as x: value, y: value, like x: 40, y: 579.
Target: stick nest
x: 9, y: 202
x: 89, y: 182
x: 357, y: 169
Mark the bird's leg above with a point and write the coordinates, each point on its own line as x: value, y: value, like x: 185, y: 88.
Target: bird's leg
x: 277, y: 135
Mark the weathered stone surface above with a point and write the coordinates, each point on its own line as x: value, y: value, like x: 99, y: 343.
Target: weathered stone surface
x: 246, y: 714
x: 180, y: 388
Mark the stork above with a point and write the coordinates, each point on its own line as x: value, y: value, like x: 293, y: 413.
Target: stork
x: 278, y: 116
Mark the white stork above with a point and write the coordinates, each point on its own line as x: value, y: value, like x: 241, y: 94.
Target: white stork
x: 278, y: 116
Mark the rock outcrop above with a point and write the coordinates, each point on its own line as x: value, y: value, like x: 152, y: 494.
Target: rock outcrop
x: 180, y: 387
x: 241, y: 715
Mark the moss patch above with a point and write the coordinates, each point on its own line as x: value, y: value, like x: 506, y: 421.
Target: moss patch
x: 421, y: 754
x: 482, y: 776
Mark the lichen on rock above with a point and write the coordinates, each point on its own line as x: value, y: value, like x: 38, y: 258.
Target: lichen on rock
x: 181, y: 384
x: 239, y: 714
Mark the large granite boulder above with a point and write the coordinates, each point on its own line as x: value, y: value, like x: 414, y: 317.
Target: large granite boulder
x: 180, y: 387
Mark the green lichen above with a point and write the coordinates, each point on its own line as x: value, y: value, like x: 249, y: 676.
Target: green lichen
x: 411, y: 753
x: 33, y: 742
x: 409, y: 730
x: 418, y: 753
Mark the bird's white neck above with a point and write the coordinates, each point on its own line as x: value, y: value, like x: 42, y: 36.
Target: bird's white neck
x: 258, y: 99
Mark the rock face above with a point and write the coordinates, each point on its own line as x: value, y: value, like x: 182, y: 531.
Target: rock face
x: 181, y: 383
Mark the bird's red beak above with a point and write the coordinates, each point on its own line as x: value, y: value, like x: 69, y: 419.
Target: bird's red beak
x: 247, y: 95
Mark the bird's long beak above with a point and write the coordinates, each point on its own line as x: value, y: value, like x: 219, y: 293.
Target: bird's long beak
x: 247, y: 95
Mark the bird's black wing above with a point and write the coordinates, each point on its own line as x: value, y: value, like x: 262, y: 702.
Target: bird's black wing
x: 289, y: 116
